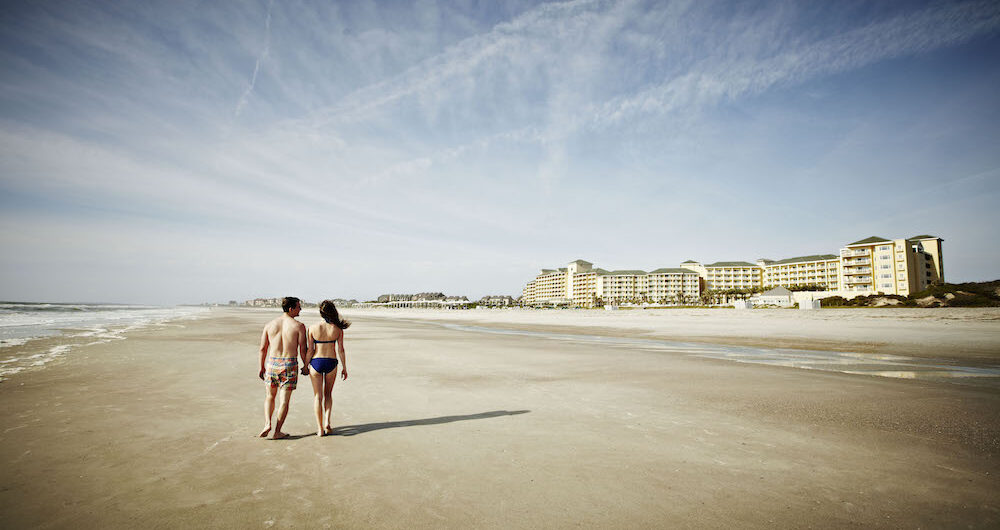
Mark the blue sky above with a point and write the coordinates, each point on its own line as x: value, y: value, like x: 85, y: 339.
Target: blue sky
x: 176, y: 152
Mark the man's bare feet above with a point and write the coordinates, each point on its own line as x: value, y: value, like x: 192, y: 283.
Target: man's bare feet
x: 279, y: 435
x: 263, y: 434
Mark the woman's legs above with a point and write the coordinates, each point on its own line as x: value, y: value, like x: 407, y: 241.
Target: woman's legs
x: 317, y: 383
x: 331, y: 378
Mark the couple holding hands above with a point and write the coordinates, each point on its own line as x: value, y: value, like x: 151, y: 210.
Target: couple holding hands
x: 321, y: 347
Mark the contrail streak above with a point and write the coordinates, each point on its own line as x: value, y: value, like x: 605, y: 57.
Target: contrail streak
x: 260, y: 58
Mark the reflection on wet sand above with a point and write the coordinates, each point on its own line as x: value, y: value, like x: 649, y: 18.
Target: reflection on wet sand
x: 881, y: 365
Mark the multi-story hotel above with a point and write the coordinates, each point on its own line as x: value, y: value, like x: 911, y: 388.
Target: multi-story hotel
x: 872, y: 265
x: 899, y: 266
x: 822, y: 270
x: 727, y: 274
x: 581, y: 285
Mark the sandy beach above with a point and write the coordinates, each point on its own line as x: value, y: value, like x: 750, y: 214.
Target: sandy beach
x: 454, y: 427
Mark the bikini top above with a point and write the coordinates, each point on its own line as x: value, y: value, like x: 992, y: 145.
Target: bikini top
x: 324, y: 341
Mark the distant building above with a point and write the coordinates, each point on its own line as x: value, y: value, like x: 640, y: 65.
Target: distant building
x: 581, y: 285
x: 899, y: 266
x: 419, y: 300
x: 821, y: 270
x: 779, y: 296
x: 869, y: 266
x: 263, y: 302
x: 410, y: 297
x: 497, y: 301
x: 728, y: 274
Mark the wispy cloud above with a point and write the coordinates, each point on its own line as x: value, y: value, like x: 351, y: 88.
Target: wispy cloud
x: 718, y: 79
x: 260, y: 58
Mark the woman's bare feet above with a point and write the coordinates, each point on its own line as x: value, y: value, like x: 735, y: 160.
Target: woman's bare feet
x: 267, y: 429
x: 321, y: 432
x: 279, y: 435
x: 329, y: 430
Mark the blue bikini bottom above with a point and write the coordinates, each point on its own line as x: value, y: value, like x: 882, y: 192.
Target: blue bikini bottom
x: 323, y: 365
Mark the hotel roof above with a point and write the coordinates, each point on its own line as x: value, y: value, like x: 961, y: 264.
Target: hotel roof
x: 800, y: 259
x: 673, y: 270
x: 634, y: 272
x: 731, y: 264
x: 869, y: 240
x: 924, y: 237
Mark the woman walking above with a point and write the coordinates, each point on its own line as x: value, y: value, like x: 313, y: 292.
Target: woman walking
x: 326, y: 344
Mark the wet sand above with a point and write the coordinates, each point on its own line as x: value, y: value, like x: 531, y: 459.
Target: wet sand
x: 440, y: 427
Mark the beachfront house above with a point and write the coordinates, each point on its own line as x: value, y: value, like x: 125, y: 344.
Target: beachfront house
x: 779, y: 296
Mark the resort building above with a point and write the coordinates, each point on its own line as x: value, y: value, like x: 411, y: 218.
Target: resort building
x: 870, y: 266
x: 899, y: 266
x: 551, y: 287
x: 498, y: 300
x: 418, y: 301
x: 728, y: 274
x: 822, y: 270
x: 581, y: 285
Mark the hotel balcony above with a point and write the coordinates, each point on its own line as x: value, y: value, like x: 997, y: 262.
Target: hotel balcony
x: 859, y: 279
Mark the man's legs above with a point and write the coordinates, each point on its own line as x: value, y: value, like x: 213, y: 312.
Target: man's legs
x: 270, y: 391
x: 286, y: 396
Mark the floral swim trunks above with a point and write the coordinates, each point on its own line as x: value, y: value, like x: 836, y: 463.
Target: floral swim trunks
x: 282, y: 372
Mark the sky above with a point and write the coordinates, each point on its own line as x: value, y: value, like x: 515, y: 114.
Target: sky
x: 170, y: 152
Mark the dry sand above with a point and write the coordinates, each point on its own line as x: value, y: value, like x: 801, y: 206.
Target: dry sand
x: 447, y: 428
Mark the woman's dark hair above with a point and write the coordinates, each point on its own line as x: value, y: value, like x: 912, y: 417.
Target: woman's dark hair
x: 328, y: 311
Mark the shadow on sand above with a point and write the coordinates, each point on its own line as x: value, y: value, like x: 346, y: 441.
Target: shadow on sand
x: 351, y: 430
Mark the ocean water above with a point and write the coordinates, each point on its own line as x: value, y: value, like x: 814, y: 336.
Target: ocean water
x: 34, y: 334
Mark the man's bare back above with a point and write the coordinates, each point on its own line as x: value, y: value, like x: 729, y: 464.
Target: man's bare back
x: 281, y: 340
x: 286, y: 337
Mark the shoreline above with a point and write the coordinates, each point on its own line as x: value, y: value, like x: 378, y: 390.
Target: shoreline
x: 29, y: 353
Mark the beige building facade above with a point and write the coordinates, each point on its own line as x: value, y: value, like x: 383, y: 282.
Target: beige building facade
x: 898, y: 266
x: 821, y: 270
x: 723, y: 275
x: 869, y: 266
x: 579, y: 284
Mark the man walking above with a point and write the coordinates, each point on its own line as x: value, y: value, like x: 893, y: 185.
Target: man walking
x: 282, y: 338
